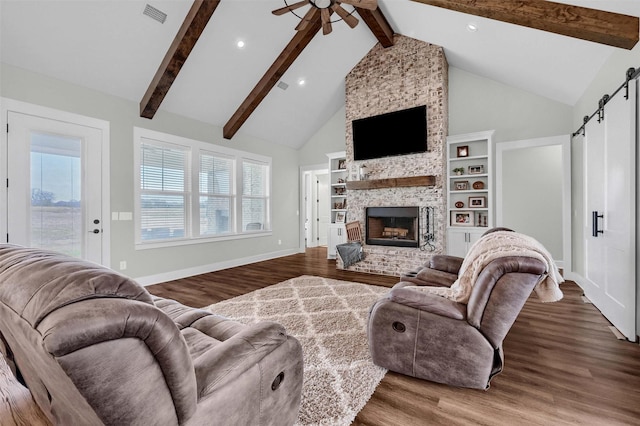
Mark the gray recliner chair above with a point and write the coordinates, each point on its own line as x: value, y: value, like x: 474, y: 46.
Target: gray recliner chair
x: 431, y: 337
x: 441, y: 269
x: 94, y: 347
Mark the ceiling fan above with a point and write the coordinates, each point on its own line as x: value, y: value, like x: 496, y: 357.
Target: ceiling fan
x: 326, y: 8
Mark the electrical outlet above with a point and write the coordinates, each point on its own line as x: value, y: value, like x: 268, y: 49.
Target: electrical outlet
x: 279, y: 242
x: 123, y: 265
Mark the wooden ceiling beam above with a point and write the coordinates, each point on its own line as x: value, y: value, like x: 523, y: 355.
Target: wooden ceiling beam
x: 184, y: 41
x: 598, y: 26
x: 273, y: 75
x: 378, y: 24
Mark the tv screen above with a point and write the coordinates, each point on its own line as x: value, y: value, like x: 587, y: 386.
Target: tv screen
x: 394, y: 133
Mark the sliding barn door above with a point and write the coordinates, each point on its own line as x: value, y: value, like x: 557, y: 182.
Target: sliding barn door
x: 610, y: 208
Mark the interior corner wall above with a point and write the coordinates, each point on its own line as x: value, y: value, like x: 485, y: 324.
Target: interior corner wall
x: 123, y: 115
x: 477, y: 104
x: 329, y: 138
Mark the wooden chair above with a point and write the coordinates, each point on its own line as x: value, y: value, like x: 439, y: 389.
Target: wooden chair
x: 353, y: 231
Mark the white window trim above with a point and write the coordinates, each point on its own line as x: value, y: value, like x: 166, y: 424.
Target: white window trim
x: 196, y: 147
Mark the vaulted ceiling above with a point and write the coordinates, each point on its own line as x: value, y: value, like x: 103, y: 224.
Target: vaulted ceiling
x: 112, y: 47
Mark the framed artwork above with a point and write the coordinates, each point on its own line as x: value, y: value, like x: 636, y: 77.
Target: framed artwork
x: 462, y: 151
x: 342, y: 164
x: 461, y: 185
x: 475, y: 170
x: 462, y: 218
x: 477, y: 202
x: 340, y: 216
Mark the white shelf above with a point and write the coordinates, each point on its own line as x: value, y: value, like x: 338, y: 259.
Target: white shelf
x: 480, y: 149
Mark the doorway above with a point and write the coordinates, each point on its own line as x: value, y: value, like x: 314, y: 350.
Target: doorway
x: 314, y: 200
x: 56, y: 169
x: 533, y: 192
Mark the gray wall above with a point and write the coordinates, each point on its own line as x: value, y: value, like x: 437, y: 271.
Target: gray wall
x: 475, y: 104
x: 532, y: 194
x: 123, y: 115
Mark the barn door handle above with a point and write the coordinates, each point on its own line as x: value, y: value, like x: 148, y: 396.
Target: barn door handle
x: 594, y: 223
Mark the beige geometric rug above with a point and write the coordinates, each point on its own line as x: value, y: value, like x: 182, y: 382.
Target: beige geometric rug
x: 329, y: 319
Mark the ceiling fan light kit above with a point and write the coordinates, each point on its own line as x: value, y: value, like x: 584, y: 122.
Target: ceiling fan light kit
x: 326, y: 8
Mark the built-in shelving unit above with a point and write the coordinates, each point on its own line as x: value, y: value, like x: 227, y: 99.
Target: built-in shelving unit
x: 470, y: 204
x: 338, y: 198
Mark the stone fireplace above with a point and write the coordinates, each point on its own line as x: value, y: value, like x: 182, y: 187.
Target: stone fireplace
x: 392, y: 226
x: 410, y: 73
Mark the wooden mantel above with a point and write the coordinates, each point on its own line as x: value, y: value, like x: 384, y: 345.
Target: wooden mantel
x: 392, y: 182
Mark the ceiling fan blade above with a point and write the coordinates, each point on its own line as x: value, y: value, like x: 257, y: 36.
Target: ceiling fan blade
x: 307, y: 18
x: 613, y: 29
x: 326, y: 21
x: 351, y: 20
x: 363, y: 4
x: 289, y: 8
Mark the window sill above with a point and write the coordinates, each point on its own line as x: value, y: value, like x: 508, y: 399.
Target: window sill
x: 201, y: 240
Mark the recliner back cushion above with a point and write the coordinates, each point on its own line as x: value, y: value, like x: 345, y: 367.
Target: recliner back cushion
x: 35, y: 282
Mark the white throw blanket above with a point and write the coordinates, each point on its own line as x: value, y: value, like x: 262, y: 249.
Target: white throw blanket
x: 493, y: 246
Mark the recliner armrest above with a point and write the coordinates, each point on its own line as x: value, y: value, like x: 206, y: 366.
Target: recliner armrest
x: 446, y: 263
x: 225, y: 361
x: 428, y: 302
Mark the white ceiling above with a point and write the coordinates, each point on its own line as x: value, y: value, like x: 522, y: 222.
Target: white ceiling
x: 109, y: 45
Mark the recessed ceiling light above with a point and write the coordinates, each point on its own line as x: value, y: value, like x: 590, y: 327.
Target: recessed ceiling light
x: 301, y: 82
x: 240, y: 44
x: 472, y: 27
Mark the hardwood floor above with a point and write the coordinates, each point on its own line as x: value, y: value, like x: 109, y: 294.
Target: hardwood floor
x: 562, y: 363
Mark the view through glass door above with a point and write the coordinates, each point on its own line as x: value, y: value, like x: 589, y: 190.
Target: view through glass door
x: 54, y: 193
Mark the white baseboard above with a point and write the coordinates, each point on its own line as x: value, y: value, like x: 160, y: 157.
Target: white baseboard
x: 203, y: 269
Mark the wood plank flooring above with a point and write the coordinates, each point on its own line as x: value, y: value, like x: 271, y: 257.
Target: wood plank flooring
x: 563, y: 366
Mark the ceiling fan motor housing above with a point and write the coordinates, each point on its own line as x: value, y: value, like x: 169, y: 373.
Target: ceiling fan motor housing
x: 322, y: 4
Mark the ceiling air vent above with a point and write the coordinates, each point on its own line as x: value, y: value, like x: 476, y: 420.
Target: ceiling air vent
x: 282, y: 85
x: 154, y: 13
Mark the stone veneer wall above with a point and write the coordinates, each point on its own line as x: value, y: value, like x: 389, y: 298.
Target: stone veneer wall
x: 408, y: 74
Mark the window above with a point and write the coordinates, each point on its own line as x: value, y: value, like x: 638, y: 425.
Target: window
x: 190, y: 191
x: 164, y: 191
x: 216, y: 194
x: 255, y: 195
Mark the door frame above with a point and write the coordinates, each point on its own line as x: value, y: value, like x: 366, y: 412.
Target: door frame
x: 564, y: 141
x: 6, y: 105
x: 303, y: 194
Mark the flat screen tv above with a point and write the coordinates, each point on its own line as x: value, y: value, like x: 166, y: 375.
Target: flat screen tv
x: 394, y: 133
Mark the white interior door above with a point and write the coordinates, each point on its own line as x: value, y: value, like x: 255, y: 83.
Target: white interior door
x: 324, y: 207
x: 55, y: 185
x: 610, y: 197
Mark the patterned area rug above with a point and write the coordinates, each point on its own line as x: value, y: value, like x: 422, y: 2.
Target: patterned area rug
x: 329, y: 319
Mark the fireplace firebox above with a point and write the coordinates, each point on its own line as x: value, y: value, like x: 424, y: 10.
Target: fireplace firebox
x: 392, y: 226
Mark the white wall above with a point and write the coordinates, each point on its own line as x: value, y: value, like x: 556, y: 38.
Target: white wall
x: 27, y: 86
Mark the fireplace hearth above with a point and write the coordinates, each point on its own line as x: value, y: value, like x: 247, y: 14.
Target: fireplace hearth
x: 392, y: 226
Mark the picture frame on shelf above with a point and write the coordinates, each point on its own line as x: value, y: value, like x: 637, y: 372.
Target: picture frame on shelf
x: 342, y: 164
x: 476, y: 170
x: 462, y: 218
x: 462, y: 151
x: 478, y: 202
x: 340, y: 217
x: 461, y: 185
